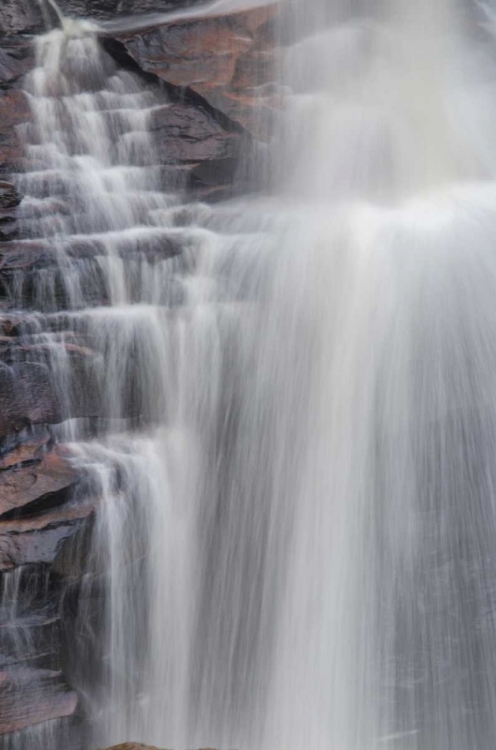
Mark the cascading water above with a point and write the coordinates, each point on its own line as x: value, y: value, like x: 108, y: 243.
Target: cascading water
x: 294, y: 450
x: 168, y: 459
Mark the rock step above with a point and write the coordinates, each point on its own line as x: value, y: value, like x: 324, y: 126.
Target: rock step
x: 30, y: 395
x: 39, y: 477
x: 45, y: 696
x: 9, y: 197
x: 74, y: 222
x: 38, y: 539
x: 152, y: 242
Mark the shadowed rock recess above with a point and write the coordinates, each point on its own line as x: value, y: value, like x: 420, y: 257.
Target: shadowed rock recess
x: 206, y: 99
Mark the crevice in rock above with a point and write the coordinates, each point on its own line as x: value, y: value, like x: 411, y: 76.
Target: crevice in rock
x: 177, y: 94
x: 41, y: 505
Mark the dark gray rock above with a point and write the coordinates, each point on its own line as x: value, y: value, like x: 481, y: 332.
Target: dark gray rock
x: 20, y: 16
x: 187, y: 133
x: 104, y: 9
x: 9, y: 197
x: 27, y: 397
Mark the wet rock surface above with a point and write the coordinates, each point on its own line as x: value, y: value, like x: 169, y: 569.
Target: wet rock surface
x: 39, y: 479
x: 20, y: 16
x: 9, y: 197
x: 45, y: 697
x: 39, y: 538
x: 228, y: 60
x: 30, y: 650
x: 205, y: 84
x: 27, y: 397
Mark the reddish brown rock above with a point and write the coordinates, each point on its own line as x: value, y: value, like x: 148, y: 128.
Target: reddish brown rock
x: 20, y: 486
x: 31, y: 696
x: 38, y: 539
x: 24, y: 450
x: 226, y: 59
x: 14, y: 110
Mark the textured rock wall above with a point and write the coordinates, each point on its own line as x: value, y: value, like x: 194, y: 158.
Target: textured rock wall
x: 217, y: 75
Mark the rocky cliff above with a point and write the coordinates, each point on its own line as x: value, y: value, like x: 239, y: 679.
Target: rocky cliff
x: 216, y: 73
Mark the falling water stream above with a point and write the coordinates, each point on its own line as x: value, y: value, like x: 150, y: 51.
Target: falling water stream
x: 295, y: 453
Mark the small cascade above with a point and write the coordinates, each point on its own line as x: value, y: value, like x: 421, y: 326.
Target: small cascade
x: 48, y: 5
x: 145, y: 309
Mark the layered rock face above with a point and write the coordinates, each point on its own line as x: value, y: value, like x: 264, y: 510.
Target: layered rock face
x: 206, y: 87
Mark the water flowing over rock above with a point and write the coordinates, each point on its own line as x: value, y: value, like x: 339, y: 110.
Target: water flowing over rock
x: 98, y: 241
x: 247, y: 375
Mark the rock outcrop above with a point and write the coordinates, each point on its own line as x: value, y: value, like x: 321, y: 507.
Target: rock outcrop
x: 228, y: 60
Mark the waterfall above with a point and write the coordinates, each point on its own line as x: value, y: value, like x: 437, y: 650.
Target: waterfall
x: 293, y: 445
x: 387, y: 635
